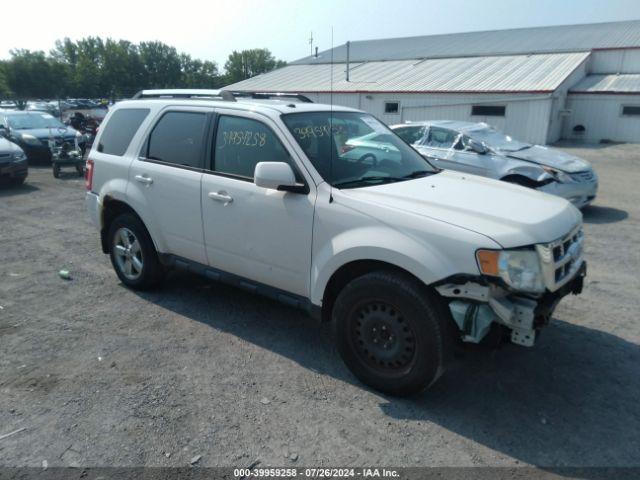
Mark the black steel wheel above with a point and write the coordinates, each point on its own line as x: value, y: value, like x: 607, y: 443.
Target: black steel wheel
x: 393, y: 332
x: 381, y: 336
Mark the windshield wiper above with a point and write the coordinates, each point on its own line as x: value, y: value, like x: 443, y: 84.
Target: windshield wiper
x: 419, y: 174
x: 370, y: 178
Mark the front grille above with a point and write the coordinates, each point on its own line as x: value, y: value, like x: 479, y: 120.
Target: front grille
x: 586, y: 176
x: 5, y: 155
x: 561, y: 258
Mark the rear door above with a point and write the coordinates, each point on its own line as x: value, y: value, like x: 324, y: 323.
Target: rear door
x: 166, y: 179
x: 254, y: 232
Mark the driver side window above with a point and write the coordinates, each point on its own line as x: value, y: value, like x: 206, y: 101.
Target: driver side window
x: 441, y: 138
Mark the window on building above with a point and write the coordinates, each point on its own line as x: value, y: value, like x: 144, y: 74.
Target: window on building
x: 488, y: 110
x: 178, y: 138
x: 631, y: 110
x: 241, y: 143
x: 120, y: 129
x: 391, y: 107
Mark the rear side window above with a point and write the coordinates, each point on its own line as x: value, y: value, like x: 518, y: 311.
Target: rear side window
x: 177, y: 138
x: 120, y: 129
x: 241, y: 143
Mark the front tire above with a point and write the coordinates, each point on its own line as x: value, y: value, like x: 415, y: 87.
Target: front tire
x: 56, y: 170
x: 392, y: 332
x: 133, y: 255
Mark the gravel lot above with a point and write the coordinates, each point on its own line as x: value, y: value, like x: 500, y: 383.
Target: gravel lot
x: 98, y: 375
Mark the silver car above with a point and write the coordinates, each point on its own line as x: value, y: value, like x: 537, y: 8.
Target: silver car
x: 480, y: 149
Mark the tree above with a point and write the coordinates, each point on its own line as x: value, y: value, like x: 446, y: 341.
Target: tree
x: 28, y: 75
x: 198, y: 74
x: 249, y: 63
x: 161, y: 65
x: 4, y: 86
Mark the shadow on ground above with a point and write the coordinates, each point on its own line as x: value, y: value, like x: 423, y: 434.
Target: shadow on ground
x: 570, y: 401
x: 598, y: 214
x: 8, y: 190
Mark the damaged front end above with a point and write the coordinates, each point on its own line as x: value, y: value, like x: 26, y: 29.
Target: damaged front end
x: 478, y: 302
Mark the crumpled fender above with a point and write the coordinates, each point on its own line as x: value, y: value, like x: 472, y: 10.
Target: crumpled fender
x: 533, y: 172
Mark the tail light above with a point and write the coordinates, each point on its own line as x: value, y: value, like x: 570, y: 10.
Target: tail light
x: 345, y: 148
x: 88, y: 175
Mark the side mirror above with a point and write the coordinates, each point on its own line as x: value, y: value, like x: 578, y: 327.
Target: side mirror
x: 277, y: 176
x: 476, y: 146
x: 3, y: 131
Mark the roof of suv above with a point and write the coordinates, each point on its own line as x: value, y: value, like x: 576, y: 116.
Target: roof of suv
x: 260, y: 105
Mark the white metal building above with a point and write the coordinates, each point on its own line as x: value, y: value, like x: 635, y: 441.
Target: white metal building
x: 537, y: 84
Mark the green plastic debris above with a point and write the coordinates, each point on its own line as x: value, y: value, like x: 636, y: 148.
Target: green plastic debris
x: 64, y: 274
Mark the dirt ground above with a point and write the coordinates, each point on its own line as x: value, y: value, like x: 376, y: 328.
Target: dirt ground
x: 98, y: 375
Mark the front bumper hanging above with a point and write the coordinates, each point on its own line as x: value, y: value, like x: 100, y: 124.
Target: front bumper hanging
x: 474, y: 307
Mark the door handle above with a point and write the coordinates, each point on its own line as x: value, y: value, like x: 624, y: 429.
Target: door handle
x: 144, y: 179
x: 221, y: 197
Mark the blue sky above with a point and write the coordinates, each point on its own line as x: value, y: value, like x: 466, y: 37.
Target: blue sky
x: 210, y: 30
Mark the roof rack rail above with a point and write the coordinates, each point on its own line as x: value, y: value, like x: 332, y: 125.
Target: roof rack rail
x: 195, y: 93
x: 226, y: 95
x: 271, y: 95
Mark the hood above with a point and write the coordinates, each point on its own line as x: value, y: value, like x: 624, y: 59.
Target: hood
x: 6, y: 146
x: 511, y: 215
x: 551, y: 157
x: 44, y: 133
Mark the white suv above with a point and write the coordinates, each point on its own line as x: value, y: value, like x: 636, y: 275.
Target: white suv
x: 268, y: 196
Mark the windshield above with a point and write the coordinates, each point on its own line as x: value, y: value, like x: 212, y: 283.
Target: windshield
x: 351, y: 149
x: 31, y: 121
x: 497, y: 140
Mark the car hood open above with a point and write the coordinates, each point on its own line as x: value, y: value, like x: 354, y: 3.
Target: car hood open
x: 551, y: 157
x: 511, y: 215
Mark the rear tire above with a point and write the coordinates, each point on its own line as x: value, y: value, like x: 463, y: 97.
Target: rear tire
x: 133, y: 255
x: 80, y: 170
x: 392, y: 332
x: 56, y: 170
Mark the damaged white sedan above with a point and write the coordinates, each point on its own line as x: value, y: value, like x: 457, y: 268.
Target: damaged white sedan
x: 482, y: 150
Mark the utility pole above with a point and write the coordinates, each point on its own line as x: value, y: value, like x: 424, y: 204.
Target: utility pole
x: 311, y: 44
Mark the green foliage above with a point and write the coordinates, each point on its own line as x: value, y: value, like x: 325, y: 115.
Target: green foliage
x: 249, y: 63
x: 4, y: 86
x: 93, y: 67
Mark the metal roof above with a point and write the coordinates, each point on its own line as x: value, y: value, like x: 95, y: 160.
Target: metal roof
x: 555, y: 39
x: 503, y: 74
x: 611, y: 84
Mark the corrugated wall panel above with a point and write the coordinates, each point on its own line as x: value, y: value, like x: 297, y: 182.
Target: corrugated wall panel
x: 602, y: 117
x: 615, y: 61
x: 526, y: 117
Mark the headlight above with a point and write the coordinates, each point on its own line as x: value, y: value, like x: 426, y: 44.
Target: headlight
x: 559, y: 175
x: 78, y: 134
x: 29, y: 139
x: 19, y: 156
x: 520, y: 269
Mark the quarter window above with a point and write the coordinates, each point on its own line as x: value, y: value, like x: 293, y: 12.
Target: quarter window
x: 241, y: 143
x: 488, y: 110
x: 120, y: 129
x: 178, y: 138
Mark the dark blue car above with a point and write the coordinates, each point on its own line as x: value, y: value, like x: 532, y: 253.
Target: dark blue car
x: 33, y: 132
